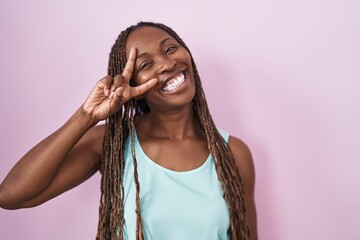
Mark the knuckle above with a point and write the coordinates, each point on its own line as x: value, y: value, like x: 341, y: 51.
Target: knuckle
x: 129, y: 70
x: 118, y: 81
x: 108, y: 78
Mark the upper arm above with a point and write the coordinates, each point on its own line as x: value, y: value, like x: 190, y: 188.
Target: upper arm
x: 244, y: 162
x: 82, y: 161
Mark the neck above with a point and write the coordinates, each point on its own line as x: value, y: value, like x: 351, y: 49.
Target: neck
x: 176, y: 124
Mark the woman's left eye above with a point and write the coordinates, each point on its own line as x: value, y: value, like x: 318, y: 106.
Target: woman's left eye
x: 170, y: 49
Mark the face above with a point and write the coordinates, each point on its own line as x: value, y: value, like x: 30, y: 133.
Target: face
x: 160, y: 56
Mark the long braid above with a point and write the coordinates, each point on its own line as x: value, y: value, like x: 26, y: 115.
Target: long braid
x: 131, y: 126
x: 121, y: 126
x: 226, y: 168
x: 111, y: 212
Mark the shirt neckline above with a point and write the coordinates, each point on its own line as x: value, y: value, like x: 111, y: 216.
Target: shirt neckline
x: 158, y: 166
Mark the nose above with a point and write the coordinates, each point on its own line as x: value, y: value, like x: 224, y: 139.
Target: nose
x: 165, y: 65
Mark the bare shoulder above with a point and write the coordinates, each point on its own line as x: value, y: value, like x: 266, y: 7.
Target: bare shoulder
x: 96, y: 133
x: 244, y: 162
x: 92, y: 141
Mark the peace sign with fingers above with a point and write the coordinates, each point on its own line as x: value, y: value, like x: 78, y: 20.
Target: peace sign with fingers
x: 109, y: 94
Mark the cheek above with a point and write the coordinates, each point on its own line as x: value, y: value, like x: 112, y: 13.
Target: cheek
x: 187, y: 58
x: 140, y: 79
x: 144, y: 76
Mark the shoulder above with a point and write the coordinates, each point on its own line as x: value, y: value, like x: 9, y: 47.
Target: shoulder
x: 93, y: 140
x: 96, y: 133
x: 244, y: 162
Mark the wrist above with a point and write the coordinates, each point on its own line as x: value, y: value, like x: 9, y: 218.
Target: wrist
x: 85, y: 118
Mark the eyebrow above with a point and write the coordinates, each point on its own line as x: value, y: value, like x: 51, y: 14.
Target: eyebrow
x: 160, y: 44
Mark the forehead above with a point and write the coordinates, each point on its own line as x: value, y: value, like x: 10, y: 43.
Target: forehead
x: 145, y: 38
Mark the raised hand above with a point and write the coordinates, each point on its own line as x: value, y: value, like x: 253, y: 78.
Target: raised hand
x: 109, y: 94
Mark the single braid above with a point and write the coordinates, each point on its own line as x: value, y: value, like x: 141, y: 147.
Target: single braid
x: 120, y: 126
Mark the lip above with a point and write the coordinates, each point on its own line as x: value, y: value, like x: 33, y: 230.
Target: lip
x: 174, y: 74
x: 179, y: 89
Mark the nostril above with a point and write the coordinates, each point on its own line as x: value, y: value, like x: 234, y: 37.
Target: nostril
x: 167, y: 65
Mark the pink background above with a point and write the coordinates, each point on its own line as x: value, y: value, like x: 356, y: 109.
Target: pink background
x: 282, y: 75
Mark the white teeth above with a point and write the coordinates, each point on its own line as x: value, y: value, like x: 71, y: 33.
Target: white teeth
x: 175, y: 84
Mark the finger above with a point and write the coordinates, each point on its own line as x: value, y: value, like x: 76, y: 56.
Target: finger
x: 129, y: 67
x: 143, y: 88
x: 107, y: 81
x: 118, y: 81
x: 117, y: 100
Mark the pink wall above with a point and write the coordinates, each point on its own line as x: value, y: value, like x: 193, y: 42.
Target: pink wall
x: 282, y: 75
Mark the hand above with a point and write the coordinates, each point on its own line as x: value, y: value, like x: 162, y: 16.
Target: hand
x: 109, y: 94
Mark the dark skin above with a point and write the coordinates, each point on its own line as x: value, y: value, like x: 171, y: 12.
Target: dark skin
x: 168, y: 133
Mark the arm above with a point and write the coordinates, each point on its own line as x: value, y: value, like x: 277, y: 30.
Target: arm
x: 61, y: 161
x: 73, y: 153
x: 245, y: 165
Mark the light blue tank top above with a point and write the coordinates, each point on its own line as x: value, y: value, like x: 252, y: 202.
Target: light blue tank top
x: 175, y: 205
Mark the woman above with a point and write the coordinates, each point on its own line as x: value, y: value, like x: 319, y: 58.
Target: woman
x: 159, y: 137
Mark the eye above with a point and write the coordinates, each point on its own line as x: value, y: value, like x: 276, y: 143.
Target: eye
x: 145, y: 66
x: 170, y: 49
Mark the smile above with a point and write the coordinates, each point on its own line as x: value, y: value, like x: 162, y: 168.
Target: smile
x: 174, y: 83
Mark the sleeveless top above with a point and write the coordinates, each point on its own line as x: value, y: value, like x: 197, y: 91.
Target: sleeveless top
x: 174, y: 205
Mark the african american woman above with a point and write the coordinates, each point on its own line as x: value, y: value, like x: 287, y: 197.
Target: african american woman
x: 167, y: 172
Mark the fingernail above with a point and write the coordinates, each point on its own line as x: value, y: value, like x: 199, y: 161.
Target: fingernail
x: 107, y: 92
x: 111, y: 94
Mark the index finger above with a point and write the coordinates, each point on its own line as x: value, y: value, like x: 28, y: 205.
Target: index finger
x: 143, y: 88
x: 130, y: 63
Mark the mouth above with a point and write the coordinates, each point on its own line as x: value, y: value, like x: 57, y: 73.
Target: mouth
x: 173, y: 83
